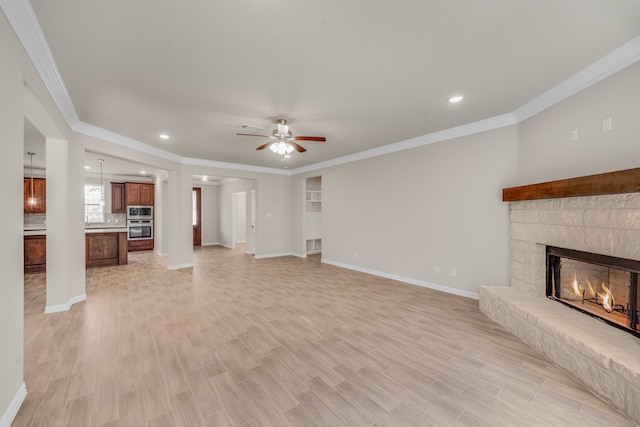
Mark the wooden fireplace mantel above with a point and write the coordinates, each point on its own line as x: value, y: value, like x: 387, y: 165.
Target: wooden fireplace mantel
x: 626, y: 181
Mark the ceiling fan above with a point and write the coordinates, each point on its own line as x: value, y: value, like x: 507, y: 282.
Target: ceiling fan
x: 282, y: 140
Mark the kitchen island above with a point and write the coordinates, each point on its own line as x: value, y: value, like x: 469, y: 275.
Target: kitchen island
x: 104, y: 246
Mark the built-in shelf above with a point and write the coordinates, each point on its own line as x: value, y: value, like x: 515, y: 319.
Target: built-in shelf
x: 314, y: 196
x: 313, y: 215
x: 314, y: 246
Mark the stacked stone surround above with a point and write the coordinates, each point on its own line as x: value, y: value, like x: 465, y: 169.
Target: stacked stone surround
x: 602, y: 357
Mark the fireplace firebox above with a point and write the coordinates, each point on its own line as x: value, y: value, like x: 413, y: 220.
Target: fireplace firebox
x: 601, y: 286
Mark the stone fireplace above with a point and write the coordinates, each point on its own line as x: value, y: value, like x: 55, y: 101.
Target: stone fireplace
x: 576, y: 215
x: 597, y: 285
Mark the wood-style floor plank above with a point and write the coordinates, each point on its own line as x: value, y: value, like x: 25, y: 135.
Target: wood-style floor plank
x: 236, y: 341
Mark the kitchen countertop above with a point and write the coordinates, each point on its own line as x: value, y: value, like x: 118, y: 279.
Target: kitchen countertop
x: 107, y: 229
x: 42, y: 231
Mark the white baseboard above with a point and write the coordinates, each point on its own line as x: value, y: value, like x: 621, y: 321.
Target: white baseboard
x: 226, y: 246
x: 160, y: 253
x: 447, y: 289
x: 276, y: 255
x: 64, y: 307
x: 11, y: 412
x: 211, y: 244
x: 299, y: 255
x: 180, y: 267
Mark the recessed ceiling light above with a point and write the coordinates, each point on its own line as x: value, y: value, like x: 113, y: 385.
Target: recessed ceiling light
x: 164, y: 136
x: 143, y: 172
x: 87, y: 167
x: 204, y: 178
x: 455, y: 99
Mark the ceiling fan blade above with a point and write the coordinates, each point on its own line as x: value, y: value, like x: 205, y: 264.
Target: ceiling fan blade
x: 252, y: 134
x: 263, y: 146
x: 299, y: 148
x: 311, y: 138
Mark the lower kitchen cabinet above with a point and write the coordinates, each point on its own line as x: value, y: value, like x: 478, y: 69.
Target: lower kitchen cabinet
x: 103, y: 249
x: 35, y: 254
x: 140, y: 245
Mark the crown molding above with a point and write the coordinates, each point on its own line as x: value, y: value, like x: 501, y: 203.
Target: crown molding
x: 25, y: 23
x: 106, y: 135
x: 604, y: 67
x: 443, y: 135
x: 233, y: 166
x: 26, y: 26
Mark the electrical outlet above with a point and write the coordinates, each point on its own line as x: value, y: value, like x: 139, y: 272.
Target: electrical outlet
x: 453, y: 272
x: 606, y: 125
x: 437, y: 270
x: 573, y: 135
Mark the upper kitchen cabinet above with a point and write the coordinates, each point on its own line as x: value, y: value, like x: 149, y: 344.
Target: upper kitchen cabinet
x: 139, y: 194
x: 39, y: 193
x: 117, y: 198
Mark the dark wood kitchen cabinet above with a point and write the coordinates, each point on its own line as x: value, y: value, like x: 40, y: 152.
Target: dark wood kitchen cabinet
x: 103, y: 249
x: 39, y: 193
x: 117, y: 198
x: 140, y: 245
x: 139, y: 194
x: 35, y: 254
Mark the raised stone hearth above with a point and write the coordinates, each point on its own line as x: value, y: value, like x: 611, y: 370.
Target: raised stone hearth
x: 604, y: 358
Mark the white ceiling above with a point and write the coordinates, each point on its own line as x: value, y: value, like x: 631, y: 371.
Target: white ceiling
x: 363, y: 74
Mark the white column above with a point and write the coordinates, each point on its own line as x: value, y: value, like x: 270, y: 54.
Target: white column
x: 12, y: 387
x: 180, y: 232
x: 65, y: 225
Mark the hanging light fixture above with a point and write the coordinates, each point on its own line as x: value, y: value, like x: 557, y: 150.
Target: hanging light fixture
x: 101, y: 187
x: 281, y: 147
x: 32, y: 200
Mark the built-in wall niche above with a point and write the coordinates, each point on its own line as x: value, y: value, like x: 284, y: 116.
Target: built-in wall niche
x: 313, y: 215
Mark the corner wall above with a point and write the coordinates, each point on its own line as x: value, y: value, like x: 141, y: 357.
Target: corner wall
x: 11, y: 244
x: 545, y: 152
x: 404, y: 214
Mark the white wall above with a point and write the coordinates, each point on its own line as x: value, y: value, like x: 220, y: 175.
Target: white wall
x: 11, y: 244
x: 241, y: 217
x: 440, y: 205
x: 210, y: 215
x: 545, y: 152
x: 15, y: 101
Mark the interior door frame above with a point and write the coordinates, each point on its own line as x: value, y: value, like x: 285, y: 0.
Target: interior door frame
x: 197, y: 229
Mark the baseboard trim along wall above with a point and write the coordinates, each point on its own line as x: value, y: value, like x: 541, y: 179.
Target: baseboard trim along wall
x: 447, y: 289
x: 211, y: 244
x: 276, y: 255
x: 64, y: 307
x: 11, y: 412
x: 180, y: 267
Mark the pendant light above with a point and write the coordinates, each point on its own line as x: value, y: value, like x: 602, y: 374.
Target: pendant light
x: 101, y: 187
x: 32, y: 200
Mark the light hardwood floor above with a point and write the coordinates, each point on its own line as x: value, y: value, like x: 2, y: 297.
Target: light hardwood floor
x: 237, y: 341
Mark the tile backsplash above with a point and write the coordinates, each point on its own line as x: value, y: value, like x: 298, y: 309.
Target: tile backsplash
x: 32, y: 220
x: 35, y: 219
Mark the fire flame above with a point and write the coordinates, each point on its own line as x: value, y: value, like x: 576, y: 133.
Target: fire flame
x: 607, y: 299
x: 592, y: 292
x: 577, y: 289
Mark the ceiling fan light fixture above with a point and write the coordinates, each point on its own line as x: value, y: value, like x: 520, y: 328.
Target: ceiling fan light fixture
x: 281, y: 147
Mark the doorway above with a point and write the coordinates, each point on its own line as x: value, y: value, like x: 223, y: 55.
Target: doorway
x: 238, y: 219
x: 196, y: 208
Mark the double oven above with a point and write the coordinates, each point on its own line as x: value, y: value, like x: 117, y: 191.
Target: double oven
x: 140, y: 222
